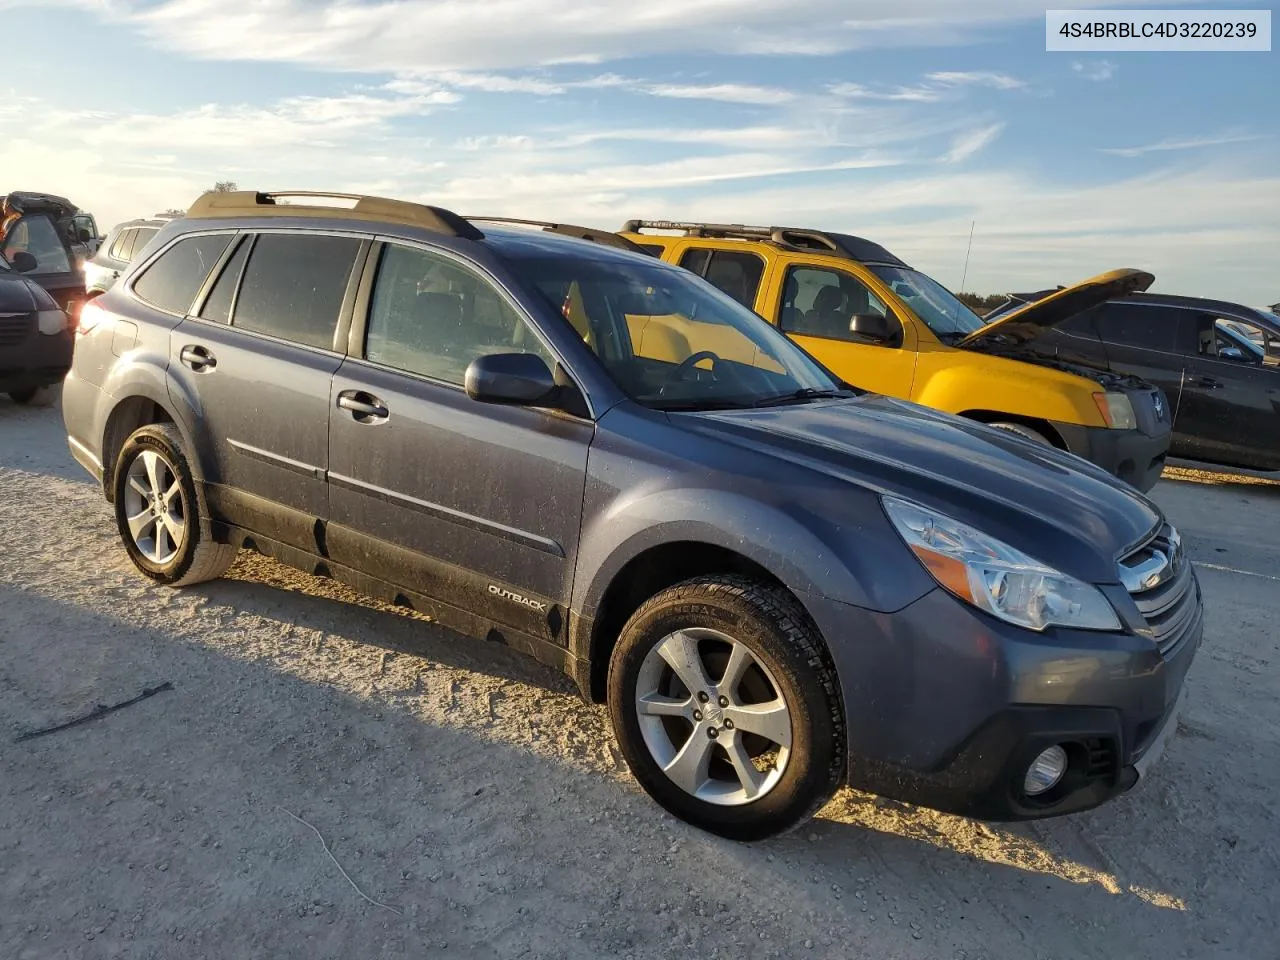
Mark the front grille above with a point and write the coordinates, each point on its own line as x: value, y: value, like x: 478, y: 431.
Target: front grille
x: 14, y: 328
x: 1160, y: 580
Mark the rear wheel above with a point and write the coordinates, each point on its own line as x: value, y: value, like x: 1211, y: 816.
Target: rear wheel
x: 726, y: 707
x: 1023, y: 430
x: 158, y: 511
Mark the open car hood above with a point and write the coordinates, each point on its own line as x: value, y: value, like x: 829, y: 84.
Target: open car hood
x: 1032, y: 320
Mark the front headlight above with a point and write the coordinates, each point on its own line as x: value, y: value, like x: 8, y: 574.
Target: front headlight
x: 50, y: 322
x: 1116, y: 410
x: 995, y: 577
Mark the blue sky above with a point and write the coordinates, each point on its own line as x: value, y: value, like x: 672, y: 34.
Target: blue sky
x: 904, y: 122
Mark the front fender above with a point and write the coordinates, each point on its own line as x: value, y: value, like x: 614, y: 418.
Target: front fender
x: 858, y: 561
x: 957, y: 381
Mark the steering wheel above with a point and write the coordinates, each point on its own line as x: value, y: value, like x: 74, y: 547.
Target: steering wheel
x: 689, y: 362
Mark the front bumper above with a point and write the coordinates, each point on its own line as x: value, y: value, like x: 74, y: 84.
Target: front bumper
x: 39, y: 360
x: 1135, y: 457
x: 947, y: 707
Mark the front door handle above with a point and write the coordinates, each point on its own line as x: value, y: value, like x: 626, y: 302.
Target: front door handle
x: 198, y: 358
x: 1209, y: 382
x: 364, y: 407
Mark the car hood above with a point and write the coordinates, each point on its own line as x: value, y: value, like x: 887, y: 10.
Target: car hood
x: 1032, y: 320
x: 1050, y: 504
x: 19, y: 295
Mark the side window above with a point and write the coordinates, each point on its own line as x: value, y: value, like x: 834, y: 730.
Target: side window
x: 1149, y: 328
x: 293, y: 286
x: 172, y: 282
x: 817, y: 302
x: 736, y: 274
x: 38, y: 236
x: 217, y: 306
x: 431, y: 316
x: 141, y: 237
x: 121, y: 244
x: 652, y: 249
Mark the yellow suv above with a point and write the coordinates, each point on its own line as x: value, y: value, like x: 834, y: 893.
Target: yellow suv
x: 878, y: 324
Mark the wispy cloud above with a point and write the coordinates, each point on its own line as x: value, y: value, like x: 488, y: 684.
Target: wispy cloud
x: 726, y: 92
x: 969, y: 144
x: 857, y: 91
x: 1099, y: 71
x: 1190, y: 143
x: 937, y: 86
x: 977, y: 78
x: 400, y: 35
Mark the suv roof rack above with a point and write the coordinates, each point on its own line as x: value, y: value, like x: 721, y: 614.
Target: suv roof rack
x: 608, y: 238
x: 249, y: 203
x: 793, y: 238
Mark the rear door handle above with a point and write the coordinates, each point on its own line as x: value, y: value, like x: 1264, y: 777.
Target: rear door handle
x: 364, y: 407
x: 198, y: 358
x: 1209, y: 382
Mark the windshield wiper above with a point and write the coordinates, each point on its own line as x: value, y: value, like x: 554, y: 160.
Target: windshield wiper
x: 694, y: 406
x: 803, y: 395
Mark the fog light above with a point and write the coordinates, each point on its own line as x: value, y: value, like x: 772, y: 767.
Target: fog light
x: 1045, y: 771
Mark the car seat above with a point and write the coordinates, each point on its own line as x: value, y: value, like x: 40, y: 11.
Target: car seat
x: 830, y: 314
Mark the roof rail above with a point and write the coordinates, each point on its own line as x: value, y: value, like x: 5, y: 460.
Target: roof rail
x: 606, y: 237
x: 784, y: 236
x: 793, y: 238
x: 249, y: 203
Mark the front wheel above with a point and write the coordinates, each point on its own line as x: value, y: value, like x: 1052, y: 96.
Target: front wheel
x: 158, y: 511
x: 726, y: 707
x: 1023, y: 431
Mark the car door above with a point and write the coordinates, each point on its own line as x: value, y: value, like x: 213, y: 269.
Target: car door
x: 815, y: 307
x: 1231, y: 398
x: 476, y: 506
x: 253, y: 363
x: 1148, y: 341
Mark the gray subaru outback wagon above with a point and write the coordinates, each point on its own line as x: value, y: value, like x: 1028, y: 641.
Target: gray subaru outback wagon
x: 777, y: 582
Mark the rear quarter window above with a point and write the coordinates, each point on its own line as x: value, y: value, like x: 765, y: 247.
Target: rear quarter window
x: 173, y: 280
x: 1138, y: 325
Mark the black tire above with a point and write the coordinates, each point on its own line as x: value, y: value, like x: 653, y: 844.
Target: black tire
x: 198, y: 557
x: 780, y: 636
x: 35, y: 396
x: 1024, y: 431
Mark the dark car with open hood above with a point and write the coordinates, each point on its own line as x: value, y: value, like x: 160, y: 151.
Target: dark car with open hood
x: 57, y: 234
x: 777, y: 582
x: 1216, y: 362
x: 35, y: 335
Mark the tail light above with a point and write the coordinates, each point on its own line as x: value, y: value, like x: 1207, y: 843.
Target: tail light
x: 90, y: 315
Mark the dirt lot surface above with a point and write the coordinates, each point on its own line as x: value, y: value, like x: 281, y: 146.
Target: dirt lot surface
x: 485, y: 809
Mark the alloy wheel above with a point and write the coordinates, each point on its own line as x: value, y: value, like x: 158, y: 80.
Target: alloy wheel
x: 713, y: 717
x: 155, y: 508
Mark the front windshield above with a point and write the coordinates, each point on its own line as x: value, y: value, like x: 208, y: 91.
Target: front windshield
x: 931, y: 301
x: 671, y: 340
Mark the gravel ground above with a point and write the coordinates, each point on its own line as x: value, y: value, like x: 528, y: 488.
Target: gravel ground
x: 479, y: 809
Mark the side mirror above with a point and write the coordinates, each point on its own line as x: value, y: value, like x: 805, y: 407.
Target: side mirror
x: 870, y: 326
x: 1234, y: 354
x: 520, y: 379
x: 24, y: 262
